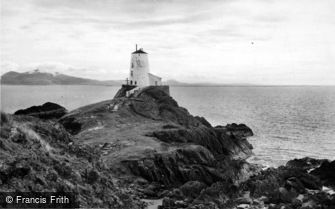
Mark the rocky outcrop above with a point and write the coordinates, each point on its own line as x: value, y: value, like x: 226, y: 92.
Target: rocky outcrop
x: 112, y: 153
x: 122, y: 92
x: 40, y: 156
x: 325, y: 172
x: 221, y: 140
x: 48, y: 110
x: 189, y: 163
x: 290, y: 186
x: 145, y: 141
x: 169, y: 145
x: 293, y: 185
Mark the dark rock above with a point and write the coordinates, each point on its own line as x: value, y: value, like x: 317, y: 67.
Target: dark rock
x: 280, y: 187
x: 176, y: 194
x: 233, y: 141
x: 192, y: 188
x: 204, y: 121
x: 287, y: 195
x: 296, y: 203
x: 123, y: 91
x: 154, y: 103
x: 306, y: 163
x: 20, y: 170
x: 271, y: 179
x: 15, y: 169
x: 326, y: 172
x: 310, y: 181
x: 170, y: 126
x: 217, y: 140
x: 295, y: 183
x: 244, y: 199
x: 168, y: 203
x: 71, y: 125
x: 52, y: 176
x: 92, y: 176
x: 63, y: 170
x: 239, y: 130
x: 184, y: 164
x: 48, y: 110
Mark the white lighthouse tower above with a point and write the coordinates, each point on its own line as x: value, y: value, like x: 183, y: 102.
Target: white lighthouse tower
x: 139, y: 68
x: 140, y: 77
x: 139, y: 74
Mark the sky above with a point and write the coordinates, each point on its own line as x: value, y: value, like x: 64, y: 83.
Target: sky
x: 274, y: 42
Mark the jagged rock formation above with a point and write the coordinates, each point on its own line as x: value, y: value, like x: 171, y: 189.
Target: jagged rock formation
x: 299, y: 184
x: 48, y: 110
x: 145, y: 142
x: 148, y: 135
x: 112, y: 153
x: 326, y: 172
x: 122, y: 92
x: 41, y: 156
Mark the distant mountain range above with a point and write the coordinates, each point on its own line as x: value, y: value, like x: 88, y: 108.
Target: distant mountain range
x: 37, y: 77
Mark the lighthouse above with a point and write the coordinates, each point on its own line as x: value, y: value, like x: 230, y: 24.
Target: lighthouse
x: 139, y: 73
x: 140, y: 77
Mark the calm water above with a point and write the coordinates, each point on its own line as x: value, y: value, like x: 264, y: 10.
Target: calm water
x: 288, y: 122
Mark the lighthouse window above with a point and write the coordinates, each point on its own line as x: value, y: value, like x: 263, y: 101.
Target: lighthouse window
x: 135, y: 82
x: 131, y: 73
x: 132, y: 65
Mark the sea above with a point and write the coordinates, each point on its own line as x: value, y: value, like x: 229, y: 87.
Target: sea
x: 288, y: 121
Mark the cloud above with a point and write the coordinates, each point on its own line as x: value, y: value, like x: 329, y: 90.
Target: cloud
x: 192, y: 41
x: 8, y: 66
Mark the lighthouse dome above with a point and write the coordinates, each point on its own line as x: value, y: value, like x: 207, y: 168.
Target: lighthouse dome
x: 139, y: 51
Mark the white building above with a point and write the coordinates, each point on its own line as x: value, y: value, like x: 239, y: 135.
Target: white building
x: 139, y: 70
